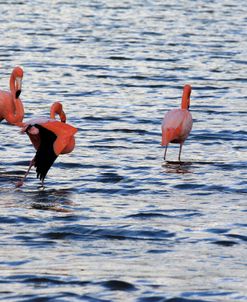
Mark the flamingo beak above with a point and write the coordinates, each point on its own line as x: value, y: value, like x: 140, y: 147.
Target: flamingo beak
x: 18, y: 87
x: 63, y: 117
x: 17, y: 94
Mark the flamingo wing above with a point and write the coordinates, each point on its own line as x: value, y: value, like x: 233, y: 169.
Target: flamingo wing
x: 171, y: 126
x: 187, y: 124
x: 173, y: 118
x: 176, y: 126
x: 45, y: 155
x: 64, y: 133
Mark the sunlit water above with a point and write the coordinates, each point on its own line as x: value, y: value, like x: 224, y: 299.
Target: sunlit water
x: 115, y: 222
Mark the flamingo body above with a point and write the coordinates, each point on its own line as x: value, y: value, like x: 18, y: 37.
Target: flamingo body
x: 50, y: 138
x: 65, y: 134
x: 11, y: 107
x: 177, y: 123
x: 176, y: 126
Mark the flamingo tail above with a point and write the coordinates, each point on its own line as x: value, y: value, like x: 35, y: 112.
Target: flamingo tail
x: 167, y: 136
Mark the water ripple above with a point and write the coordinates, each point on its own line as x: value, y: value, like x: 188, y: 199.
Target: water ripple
x: 114, y: 221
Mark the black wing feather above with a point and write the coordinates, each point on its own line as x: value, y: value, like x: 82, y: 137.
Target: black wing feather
x: 45, y: 155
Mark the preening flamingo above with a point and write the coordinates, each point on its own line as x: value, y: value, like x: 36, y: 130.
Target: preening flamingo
x: 177, y: 123
x: 50, y: 138
x: 11, y: 108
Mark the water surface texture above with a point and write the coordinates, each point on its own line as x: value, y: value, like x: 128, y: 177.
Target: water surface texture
x: 115, y: 222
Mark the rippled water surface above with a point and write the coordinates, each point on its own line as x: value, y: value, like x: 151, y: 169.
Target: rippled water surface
x: 115, y: 222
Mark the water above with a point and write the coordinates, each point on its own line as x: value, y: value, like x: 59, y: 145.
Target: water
x: 114, y: 221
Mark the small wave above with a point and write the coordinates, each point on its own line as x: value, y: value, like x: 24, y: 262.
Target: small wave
x: 217, y: 231
x: 72, y: 165
x: 118, y: 285
x: 110, y: 177
x: 120, y: 58
x: 224, y: 242
x: 236, y: 236
x: 79, y: 232
x: 18, y: 220
x: 126, y: 130
x: 134, y: 234
x: 162, y: 299
x: 44, y: 280
x: 107, y: 146
x: 220, y: 136
x: 142, y: 85
x: 174, y: 215
x: 104, y: 118
x: 63, y: 296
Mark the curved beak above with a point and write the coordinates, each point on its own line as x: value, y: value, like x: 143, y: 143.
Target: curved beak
x: 18, y: 87
x: 63, y: 117
x: 17, y: 94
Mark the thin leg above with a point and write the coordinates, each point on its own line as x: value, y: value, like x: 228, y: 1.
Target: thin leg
x: 20, y: 183
x: 180, y: 151
x: 165, y: 152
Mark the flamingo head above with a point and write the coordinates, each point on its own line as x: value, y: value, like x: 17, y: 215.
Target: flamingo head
x: 18, y: 72
x: 57, y: 108
x: 30, y: 129
x: 17, y: 75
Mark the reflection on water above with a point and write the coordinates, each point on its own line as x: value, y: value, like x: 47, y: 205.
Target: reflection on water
x: 55, y: 200
x: 177, y: 167
x: 113, y: 221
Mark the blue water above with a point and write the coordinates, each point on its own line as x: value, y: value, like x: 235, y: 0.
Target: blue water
x: 115, y: 222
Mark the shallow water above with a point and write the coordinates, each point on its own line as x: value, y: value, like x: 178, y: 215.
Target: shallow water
x: 115, y: 222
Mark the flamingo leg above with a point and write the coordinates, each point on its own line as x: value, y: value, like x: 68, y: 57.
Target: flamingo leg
x: 165, y: 152
x: 180, y: 151
x: 20, y: 183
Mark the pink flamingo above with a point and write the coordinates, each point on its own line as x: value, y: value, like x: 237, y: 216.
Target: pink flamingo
x: 11, y: 108
x: 177, y: 123
x: 50, y: 138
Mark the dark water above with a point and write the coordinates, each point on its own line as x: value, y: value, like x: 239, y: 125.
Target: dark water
x: 114, y: 222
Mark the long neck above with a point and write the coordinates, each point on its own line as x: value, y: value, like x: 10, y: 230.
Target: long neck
x: 12, y: 85
x: 186, y: 97
x: 17, y: 115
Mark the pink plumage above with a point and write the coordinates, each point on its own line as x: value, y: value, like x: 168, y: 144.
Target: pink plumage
x: 177, y: 123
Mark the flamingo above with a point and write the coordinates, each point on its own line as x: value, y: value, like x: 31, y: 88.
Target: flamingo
x: 177, y: 123
x: 11, y: 108
x: 50, y: 138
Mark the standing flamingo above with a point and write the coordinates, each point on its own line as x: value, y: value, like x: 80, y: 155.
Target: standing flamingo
x: 50, y: 138
x: 177, y: 123
x: 11, y: 108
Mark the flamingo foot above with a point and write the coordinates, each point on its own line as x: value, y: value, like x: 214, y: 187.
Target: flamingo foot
x: 20, y: 182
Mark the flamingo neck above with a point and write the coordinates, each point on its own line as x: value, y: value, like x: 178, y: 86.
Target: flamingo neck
x: 12, y: 85
x: 57, y: 108
x: 15, y: 82
x: 17, y: 115
x: 186, y: 97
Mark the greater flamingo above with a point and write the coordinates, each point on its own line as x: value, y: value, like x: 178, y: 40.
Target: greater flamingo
x: 177, y: 123
x: 11, y: 108
x: 50, y: 138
